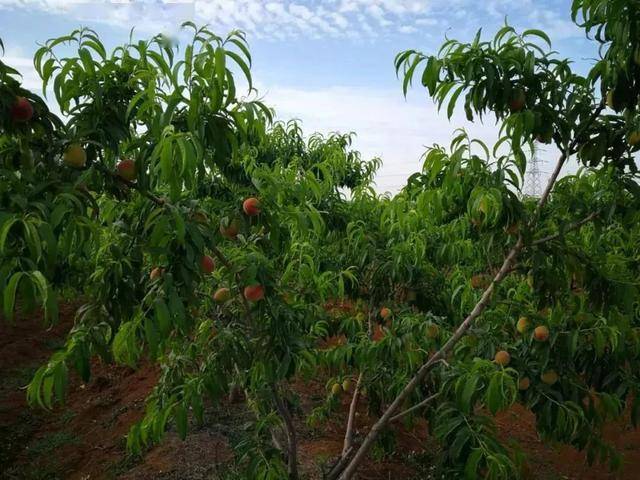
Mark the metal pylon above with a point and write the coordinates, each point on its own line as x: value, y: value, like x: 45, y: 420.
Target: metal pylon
x: 534, y: 174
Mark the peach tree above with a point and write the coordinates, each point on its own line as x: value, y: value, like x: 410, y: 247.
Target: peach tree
x: 184, y: 222
x: 498, y: 297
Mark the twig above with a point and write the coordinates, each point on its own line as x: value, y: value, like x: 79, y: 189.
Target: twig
x: 280, y: 405
x: 419, y: 377
x: 571, y: 227
x: 133, y: 185
x: 347, y: 448
x: 94, y: 204
x: 245, y: 303
x: 423, y: 403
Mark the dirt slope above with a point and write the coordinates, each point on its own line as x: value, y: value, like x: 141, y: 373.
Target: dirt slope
x: 85, y: 439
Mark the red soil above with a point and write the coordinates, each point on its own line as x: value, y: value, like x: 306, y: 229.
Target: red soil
x: 97, y: 416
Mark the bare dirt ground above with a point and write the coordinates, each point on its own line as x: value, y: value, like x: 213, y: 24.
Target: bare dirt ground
x: 85, y: 438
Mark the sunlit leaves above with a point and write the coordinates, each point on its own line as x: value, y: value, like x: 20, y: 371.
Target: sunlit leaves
x: 125, y: 344
x: 202, y: 143
x: 471, y: 442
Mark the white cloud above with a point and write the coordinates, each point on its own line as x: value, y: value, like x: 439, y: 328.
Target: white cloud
x: 386, y: 125
x: 557, y: 28
x: 340, y: 20
x: 366, y: 28
x: 426, y: 21
x: 407, y: 29
x: 379, y: 15
x: 16, y: 58
x: 261, y: 18
x: 300, y: 11
x: 288, y: 19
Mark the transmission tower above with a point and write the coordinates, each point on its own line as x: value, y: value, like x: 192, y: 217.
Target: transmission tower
x: 534, y: 174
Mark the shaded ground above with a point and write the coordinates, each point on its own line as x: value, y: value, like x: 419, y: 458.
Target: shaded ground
x: 85, y: 439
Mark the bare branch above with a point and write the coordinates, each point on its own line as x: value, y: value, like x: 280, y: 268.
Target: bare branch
x: 417, y: 406
x: 565, y: 155
x: 348, y: 436
x: 337, y: 468
x: 419, y: 377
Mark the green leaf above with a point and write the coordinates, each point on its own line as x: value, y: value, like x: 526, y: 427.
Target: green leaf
x: 452, y: 100
x: 163, y: 317
x: 87, y: 61
x: 539, y: 34
x: 180, y: 414
x: 471, y: 465
x: 469, y: 389
x: 408, y: 75
x: 493, y: 398
x: 220, y: 65
x: 48, y: 296
x: 125, y: 348
x: 34, y: 389
x: 151, y: 335
x: 243, y: 66
x: 4, y: 233
x: 9, y: 297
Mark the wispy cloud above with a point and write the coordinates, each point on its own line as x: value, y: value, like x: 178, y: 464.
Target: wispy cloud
x: 408, y: 29
x: 290, y: 19
x: 386, y: 125
x: 261, y: 18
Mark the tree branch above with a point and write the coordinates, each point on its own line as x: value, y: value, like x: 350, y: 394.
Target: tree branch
x: 565, y: 155
x: 423, y: 403
x: 348, y: 436
x: 133, y: 185
x: 280, y: 405
x: 340, y: 464
x: 292, y: 442
x: 573, y: 226
x: 163, y: 203
x: 419, y: 377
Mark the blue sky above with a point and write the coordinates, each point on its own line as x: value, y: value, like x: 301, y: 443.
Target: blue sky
x: 325, y: 62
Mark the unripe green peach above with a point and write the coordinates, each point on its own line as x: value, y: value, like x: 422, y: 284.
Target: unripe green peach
x: 523, y: 324
x: 549, y: 377
x: 346, y: 385
x: 222, y: 295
